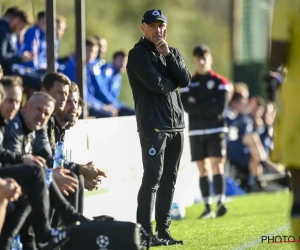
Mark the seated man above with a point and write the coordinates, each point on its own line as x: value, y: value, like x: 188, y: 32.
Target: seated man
x: 32, y: 179
x: 8, y: 30
x: 9, y: 56
x: 34, y: 42
x: 264, y: 128
x: 66, y: 119
x: 10, y: 105
x: 99, y: 100
x: 244, y: 149
x: 19, y: 138
x: 112, y: 74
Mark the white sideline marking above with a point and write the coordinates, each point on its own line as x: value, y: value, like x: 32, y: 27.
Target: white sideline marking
x: 257, y: 241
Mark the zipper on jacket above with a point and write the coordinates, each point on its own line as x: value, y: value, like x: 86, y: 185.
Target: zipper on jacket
x: 169, y: 97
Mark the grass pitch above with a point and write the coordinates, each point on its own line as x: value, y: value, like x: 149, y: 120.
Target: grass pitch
x: 249, y: 218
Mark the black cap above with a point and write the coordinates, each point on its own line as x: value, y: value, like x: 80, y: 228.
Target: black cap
x: 151, y: 16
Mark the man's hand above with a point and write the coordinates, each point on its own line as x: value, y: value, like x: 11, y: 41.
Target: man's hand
x: 64, y: 181
x: 110, y: 109
x: 27, y: 56
x: 90, y: 172
x: 162, y: 47
x: 9, y: 189
x: 34, y: 160
x: 92, y: 185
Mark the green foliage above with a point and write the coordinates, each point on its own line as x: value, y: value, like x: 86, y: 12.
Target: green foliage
x: 191, y: 22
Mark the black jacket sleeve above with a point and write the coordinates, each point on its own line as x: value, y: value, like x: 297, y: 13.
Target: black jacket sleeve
x: 9, y: 157
x: 178, y: 69
x: 139, y: 64
x: 42, y: 148
x: 12, y: 140
x: 7, y: 58
x: 11, y: 149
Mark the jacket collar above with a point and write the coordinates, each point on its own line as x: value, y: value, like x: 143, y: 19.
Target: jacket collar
x: 147, y: 43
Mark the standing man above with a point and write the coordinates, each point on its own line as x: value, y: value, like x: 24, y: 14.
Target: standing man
x: 205, y: 101
x: 155, y: 73
x: 285, y: 52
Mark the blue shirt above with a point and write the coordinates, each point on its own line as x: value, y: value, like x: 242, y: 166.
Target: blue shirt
x: 113, y: 80
x: 266, y: 136
x: 97, y: 93
x: 35, y: 42
x: 238, y: 126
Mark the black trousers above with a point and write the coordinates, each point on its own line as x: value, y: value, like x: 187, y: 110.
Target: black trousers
x: 23, y: 225
x: 32, y: 181
x: 161, y: 154
x: 76, y: 199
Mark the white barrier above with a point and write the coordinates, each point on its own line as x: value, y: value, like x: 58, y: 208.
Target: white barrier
x: 113, y: 144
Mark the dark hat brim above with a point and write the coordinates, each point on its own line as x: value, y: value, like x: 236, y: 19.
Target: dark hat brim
x: 156, y: 19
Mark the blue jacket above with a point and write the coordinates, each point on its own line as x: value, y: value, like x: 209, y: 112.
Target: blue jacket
x: 113, y: 80
x: 97, y: 93
x: 8, y: 47
x: 35, y: 41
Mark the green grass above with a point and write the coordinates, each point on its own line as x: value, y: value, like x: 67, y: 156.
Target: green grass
x: 249, y: 218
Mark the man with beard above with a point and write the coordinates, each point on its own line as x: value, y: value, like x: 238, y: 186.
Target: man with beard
x: 68, y: 117
x: 19, y: 137
x: 67, y: 177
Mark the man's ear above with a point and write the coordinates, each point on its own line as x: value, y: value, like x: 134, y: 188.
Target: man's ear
x: 143, y: 27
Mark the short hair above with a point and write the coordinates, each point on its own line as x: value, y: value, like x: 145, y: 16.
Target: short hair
x: 90, y: 42
x: 260, y: 101
x: 96, y: 38
x: 81, y: 103
x: 2, y: 92
x: 41, y: 14
x: 49, y: 79
x: 48, y: 97
x: 201, y: 50
x: 11, y: 81
x: 23, y: 16
x: 11, y: 11
x: 119, y: 53
x: 240, y: 91
x: 61, y: 19
x: 74, y: 88
x: 240, y: 87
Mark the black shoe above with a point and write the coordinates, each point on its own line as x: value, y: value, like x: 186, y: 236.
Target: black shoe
x: 207, y: 214
x: 221, y: 210
x: 154, y: 242
x: 168, y: 239
x: 58, y: 238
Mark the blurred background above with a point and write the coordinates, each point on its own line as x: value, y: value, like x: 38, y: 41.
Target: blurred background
x: 236, y: 31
